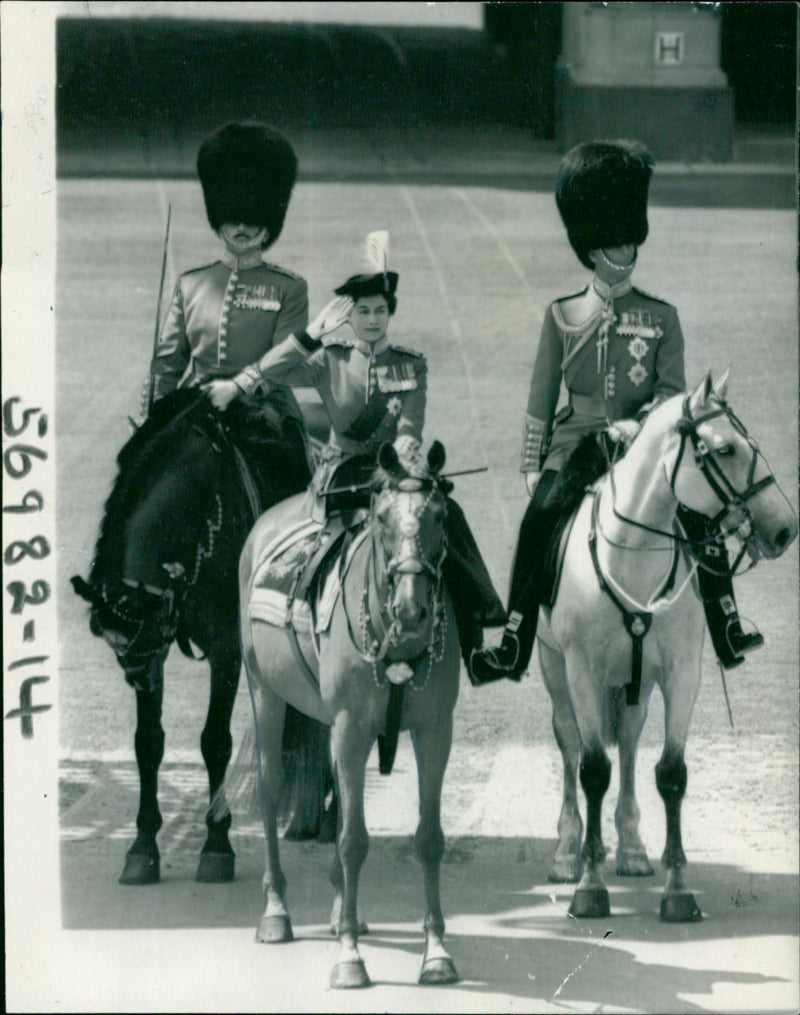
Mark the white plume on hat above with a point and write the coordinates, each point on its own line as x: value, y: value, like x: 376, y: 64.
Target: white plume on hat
x: 376, y: 251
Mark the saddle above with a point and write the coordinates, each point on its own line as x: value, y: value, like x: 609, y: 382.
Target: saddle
x: 587, y: 463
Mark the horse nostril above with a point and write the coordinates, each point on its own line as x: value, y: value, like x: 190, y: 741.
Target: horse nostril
x: 783, y: 538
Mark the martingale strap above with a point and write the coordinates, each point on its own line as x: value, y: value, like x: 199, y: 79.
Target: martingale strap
x: 387, y: 741
x: 637, y: 624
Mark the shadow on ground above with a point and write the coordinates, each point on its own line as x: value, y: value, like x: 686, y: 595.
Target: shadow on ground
x: 505, y: 922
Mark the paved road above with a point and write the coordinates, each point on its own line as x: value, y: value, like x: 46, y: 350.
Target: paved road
x: 480, y: 264
x: 508, y: 931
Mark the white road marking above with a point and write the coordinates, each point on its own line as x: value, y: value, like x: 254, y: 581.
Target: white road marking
x: 458, y: 335
x: 508, y: 255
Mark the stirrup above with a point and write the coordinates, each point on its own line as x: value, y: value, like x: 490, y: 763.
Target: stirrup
x: 485, y: 667
x: 744, y: 641
x: 738, y: 643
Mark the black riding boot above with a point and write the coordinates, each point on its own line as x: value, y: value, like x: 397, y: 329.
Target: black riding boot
x: 475, y: 602
x: 510, y: 658
x: 716, y: 590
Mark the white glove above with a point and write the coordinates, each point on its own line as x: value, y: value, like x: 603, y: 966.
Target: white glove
x: 221, y: 393
x: 531, y: 479
x: 331, y: 318
x: 408, y: 451
x: 624, y: 430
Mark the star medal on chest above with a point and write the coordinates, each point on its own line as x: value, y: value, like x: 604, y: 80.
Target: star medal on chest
x: 639, y: 326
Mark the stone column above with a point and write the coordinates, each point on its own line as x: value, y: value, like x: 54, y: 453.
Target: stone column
x: 648, y: 71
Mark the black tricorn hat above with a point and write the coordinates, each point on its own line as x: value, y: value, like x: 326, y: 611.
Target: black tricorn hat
x: 601, y: 193
x: 382, y: 283
x: 247, y: 171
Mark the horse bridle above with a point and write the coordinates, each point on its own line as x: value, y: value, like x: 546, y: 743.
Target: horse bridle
x: 165, y: 617
x: 375, y: 649
x: 732, y: 499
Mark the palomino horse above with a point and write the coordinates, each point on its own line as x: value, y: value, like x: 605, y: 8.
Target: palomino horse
x: 390, y: 643
x: 625, y: 611
x: 190, y: 485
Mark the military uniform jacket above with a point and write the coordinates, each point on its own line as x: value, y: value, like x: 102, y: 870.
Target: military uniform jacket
x: 223, y: 317
x: 625, y: 357
x: 372, y: 393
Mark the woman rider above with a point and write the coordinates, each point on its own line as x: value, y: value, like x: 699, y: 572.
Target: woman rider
x: 619, y: 351
x: 374, y: 392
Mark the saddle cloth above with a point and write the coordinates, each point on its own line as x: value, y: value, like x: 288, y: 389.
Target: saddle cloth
x: 284, y: 592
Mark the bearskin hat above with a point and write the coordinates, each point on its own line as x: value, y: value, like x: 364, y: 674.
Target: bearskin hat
x: 247, y: 171
x: 601, y: 193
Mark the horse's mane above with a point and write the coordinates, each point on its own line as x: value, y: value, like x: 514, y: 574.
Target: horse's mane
x: 586, y: 464
x: 252, y: 425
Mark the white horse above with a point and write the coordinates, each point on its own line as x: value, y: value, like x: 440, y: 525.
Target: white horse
x: 627, y: 608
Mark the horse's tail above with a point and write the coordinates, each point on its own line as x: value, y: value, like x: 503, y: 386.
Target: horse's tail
x: 307, y: 792
x: 610, y: 706
x: 306, y: 800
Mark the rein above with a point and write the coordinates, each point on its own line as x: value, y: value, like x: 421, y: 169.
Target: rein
x: 180, y: 581
x: 732, y: 500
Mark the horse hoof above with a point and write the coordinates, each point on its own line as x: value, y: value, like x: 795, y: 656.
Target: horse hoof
x: 215, y: 868
x: 634, y: 865
x: 274, y: 930
x: 350, y: 974
x: 680, y: 909
x: 141, y: 869
x: 590, y: 903
x: 437, y: 971
x: 565, y: 872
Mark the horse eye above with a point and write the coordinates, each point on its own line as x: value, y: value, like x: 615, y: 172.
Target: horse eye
x: 726, y: 451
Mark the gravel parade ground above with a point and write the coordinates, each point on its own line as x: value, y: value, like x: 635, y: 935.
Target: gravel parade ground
x: 478, y: 265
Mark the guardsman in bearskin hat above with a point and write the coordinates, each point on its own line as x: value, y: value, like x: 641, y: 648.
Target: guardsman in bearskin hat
x: 226, y: 314
x: 619, y: 351
x: 374, y: 392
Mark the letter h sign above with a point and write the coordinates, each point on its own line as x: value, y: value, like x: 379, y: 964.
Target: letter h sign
x: 670, y: 48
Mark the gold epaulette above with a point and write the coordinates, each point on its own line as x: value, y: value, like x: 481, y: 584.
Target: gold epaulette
x: 404, y: 348
x: 571, y: 296
x: 202, y: 267
x: 650, y: 296
x: 283, y: 271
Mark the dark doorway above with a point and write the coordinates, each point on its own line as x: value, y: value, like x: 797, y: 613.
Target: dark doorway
x: 759, y: 55
x: 527, y: 39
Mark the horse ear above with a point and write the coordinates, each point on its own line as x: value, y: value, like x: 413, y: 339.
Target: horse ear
x: 436, y: 457
x: 701, y: 394
x: 721, y: 385
x: 388, y: 458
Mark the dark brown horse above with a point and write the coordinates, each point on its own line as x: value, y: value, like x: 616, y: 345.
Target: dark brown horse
x: 191, y: 484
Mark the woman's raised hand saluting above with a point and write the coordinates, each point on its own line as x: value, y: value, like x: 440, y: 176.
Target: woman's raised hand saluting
x: 332, y: 317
